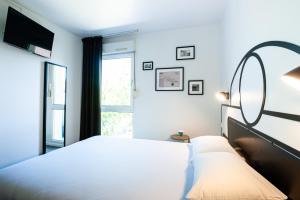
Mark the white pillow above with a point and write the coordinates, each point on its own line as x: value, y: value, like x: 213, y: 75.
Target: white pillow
x: 204, y: 144
x: 224, y: 176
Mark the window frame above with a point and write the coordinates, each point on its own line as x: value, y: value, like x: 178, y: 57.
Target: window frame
x: 121, y: 108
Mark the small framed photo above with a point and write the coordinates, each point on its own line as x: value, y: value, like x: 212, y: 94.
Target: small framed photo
x: 148, y: 65
x: 169, y: 79
x: 185, y: 53
x: 196, y: 87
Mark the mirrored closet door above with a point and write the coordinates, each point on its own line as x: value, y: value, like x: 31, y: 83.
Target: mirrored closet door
x: 54, y: 107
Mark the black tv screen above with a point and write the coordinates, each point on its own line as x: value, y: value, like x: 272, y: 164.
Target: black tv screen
x: 23, y: 32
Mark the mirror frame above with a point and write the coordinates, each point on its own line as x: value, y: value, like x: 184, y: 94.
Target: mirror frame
x: 46, y: 67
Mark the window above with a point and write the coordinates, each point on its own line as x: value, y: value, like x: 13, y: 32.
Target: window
x: 58, y: 101
x: 56, y: 91
x: 58, y: 125
x: 59, y: 85
x: 116, y: 95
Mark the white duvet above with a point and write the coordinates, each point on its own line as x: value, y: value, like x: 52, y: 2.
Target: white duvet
x: 102, y: 168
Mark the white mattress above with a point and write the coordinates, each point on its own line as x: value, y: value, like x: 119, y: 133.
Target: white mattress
x: 102, y: 168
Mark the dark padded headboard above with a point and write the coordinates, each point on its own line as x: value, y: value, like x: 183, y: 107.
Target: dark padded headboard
x: 277, y: 162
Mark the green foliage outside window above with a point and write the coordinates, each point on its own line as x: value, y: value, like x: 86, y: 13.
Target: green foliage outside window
x: 116, y: 92
x: 116, y: 124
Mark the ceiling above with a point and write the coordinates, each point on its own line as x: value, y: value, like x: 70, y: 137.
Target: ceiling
x: 92, y: 17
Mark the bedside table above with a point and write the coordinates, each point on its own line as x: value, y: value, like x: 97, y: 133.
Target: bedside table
x: 178, y: 138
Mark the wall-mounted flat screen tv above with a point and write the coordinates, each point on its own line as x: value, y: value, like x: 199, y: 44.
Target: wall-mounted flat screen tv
x: 23, y: 32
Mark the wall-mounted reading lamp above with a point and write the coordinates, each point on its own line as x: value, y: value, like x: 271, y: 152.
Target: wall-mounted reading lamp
x: 222, y: 96
x: 292, y: 78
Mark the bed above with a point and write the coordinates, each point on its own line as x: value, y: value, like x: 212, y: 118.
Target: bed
x: 102, y: 168
x: 105, y: 168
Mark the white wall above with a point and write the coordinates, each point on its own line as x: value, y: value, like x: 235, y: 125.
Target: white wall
x: 158, y: 114
x: 248, y: 23
x: 21, y: 89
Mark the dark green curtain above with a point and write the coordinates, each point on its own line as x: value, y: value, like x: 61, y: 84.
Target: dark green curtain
x: 90, y: 123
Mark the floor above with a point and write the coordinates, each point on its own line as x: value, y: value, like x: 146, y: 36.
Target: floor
x: 51, y: 148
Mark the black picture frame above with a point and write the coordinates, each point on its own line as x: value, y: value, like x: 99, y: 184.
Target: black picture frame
x: 200, y: 88
x: 181, y: 84
x: 145, y: 67
x: 187, y: 57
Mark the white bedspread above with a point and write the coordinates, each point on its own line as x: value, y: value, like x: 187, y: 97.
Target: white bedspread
x: 102, y: 168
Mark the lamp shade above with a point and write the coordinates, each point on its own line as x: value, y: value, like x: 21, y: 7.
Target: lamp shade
x: 222, y: 96
x: 292, y: 78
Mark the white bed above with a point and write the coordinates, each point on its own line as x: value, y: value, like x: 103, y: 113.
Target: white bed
x: 103, y: 168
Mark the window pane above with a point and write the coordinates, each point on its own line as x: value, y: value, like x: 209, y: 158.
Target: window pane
x: 58, y: 125
x: 58, y: 85
x: 116, y: 82
x: 116, y: 124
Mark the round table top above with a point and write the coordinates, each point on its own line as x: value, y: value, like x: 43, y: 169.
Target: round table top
x: 178, y: 137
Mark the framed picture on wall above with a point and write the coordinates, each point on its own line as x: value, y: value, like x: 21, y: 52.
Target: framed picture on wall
x: 196, y: 87
x: 148, y: 65
x: 169, y: 79
x: 185, y: 53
